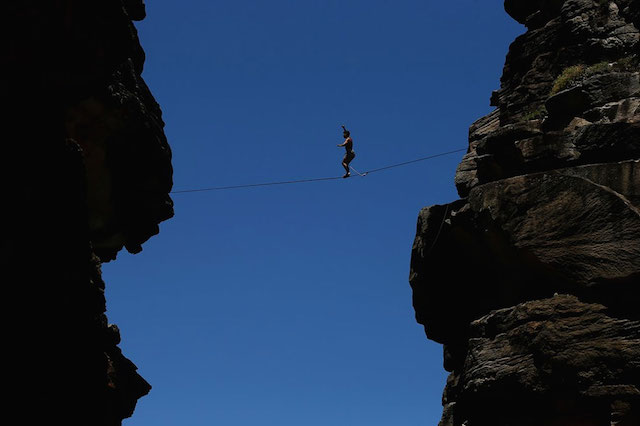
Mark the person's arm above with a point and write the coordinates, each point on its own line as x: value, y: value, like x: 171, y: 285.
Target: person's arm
x: 347, y: 140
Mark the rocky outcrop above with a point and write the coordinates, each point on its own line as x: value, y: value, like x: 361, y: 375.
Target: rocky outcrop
x: 550, y: 206
x: 557, y: 361
x: 86, y: 171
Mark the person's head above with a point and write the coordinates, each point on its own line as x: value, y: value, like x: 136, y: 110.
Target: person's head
x: 345, y: 132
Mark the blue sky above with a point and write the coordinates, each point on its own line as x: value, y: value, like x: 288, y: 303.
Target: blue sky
x: 290, y: 305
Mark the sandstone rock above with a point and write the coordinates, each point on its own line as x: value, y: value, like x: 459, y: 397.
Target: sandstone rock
x: 543, y: 313
x: 556, y: 360
x: 88, y: 171
x: 525, y: 237
x: 594, y: 92
x: 127, y: 200
x: 533, y: 12
x: 543, y: 215
x: 577, y: 31
x: 484, y: 126
x: 135, y: 9
x: 600, y: 115
x: 623, y: 111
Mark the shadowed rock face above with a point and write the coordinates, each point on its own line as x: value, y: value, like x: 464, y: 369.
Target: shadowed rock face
x: 550, y: 206
x: 557, y: 361
x: 87, y: 171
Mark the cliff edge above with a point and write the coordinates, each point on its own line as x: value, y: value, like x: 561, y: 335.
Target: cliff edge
x: 541, y: 324
x: 86, y: 172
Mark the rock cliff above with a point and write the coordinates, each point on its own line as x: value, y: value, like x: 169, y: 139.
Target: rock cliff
x: 541, y: 326
x: 86, y: 171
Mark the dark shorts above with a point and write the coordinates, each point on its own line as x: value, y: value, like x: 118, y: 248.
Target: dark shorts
x: 348, y: 157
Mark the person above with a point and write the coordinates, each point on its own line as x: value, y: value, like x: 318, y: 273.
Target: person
x: 350, y: 154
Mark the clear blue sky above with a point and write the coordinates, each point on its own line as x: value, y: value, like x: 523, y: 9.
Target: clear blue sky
x: 290, y: 305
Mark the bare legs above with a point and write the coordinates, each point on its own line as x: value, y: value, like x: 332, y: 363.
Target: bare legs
x: 345, y: 163
x: 346, y: 168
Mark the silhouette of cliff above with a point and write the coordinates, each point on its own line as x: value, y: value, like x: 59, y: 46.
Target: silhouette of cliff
x: 86, y: 171
x: 531, y: 281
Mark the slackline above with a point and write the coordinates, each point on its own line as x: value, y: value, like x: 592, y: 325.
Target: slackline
x: 287, y: 182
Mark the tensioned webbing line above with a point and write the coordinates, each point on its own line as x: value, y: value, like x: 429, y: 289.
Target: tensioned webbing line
x: 287, y: 182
